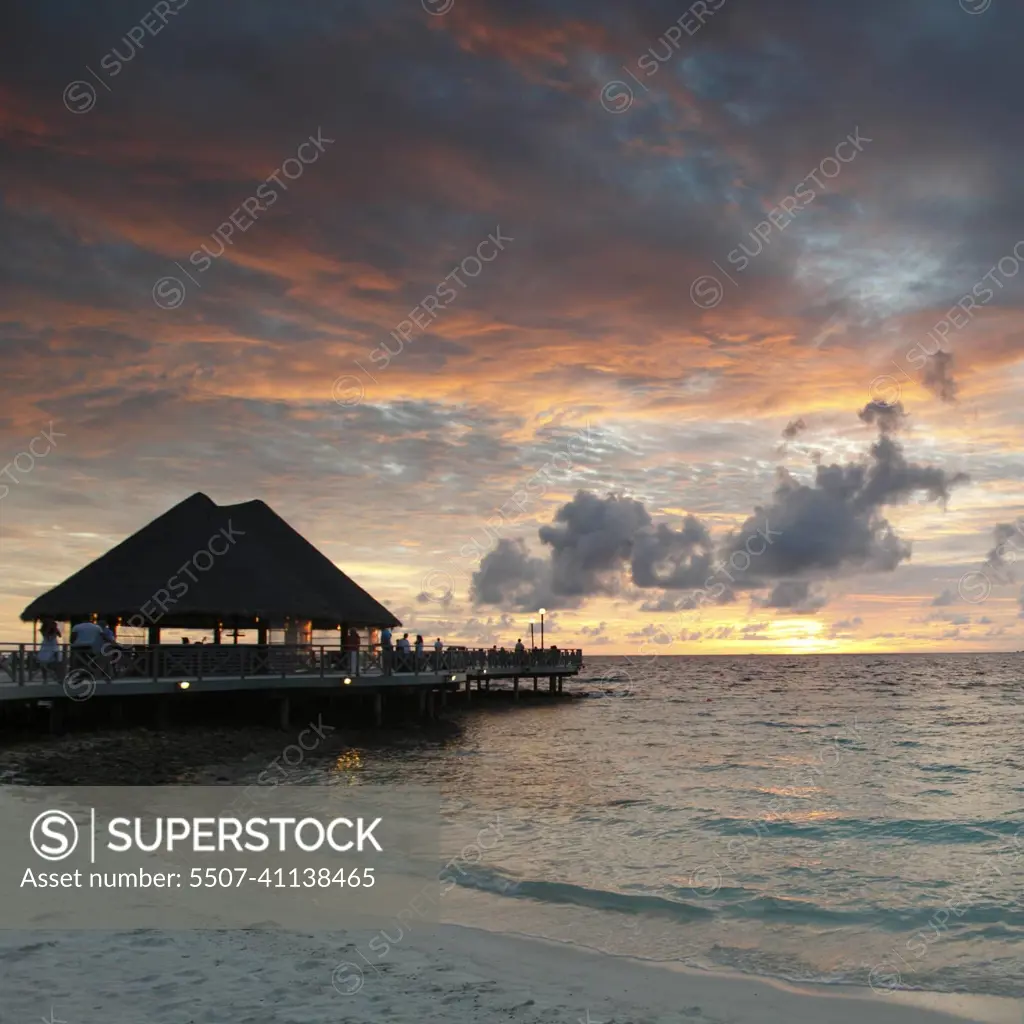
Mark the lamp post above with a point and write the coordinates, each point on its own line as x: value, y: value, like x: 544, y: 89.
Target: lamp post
x: 542, y: 613
x: 533, y: 646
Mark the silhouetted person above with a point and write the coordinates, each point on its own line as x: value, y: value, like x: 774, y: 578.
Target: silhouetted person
x: 352, y: 647
x: 49, y: 650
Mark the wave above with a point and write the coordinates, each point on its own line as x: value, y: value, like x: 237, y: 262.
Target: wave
x: 737, y: 903
x: 566, y: 893
x: 920, y: 830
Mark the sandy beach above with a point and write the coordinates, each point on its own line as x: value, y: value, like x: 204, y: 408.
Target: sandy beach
x: 448, y: 973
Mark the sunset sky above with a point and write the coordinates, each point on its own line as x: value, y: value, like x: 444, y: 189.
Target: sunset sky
x: 651, y: 277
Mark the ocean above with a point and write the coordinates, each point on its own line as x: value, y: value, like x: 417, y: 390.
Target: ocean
x: 832, y: 819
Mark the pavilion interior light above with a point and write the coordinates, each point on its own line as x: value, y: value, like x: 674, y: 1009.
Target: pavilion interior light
x: 348, y: 682
x: 184, y: 684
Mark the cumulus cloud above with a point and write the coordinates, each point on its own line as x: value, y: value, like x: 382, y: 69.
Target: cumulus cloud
x: 591, y: 542
x: 510, y: 575
x: 808, y: 532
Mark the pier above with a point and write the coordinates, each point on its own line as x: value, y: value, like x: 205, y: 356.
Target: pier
x: 272, y: 672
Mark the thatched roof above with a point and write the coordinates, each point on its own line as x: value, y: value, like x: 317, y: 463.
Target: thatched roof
x: 262, y: 570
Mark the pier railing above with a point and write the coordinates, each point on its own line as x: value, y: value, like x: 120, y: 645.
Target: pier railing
x: 20, y: 663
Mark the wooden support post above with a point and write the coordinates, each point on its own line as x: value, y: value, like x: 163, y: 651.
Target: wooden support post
x: 56, y: 717
x: 378, y: 709
x: 284, y: 712
x: 560, y: 680
x: 444, y: 698
x: 163, y: 712
x: 551, y: 684
x: 423, y: 704
x: 430, y: 705
x: 515, y: 687
x: 469, y: 687
x: 534, y: 684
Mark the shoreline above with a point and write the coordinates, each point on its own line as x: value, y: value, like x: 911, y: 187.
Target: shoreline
x: 724, y: 984
x: 442, y: 973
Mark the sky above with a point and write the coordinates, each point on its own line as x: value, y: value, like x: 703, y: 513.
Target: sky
x: 698, y: 326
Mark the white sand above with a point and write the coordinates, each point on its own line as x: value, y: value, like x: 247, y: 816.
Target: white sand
x: 450, y: 974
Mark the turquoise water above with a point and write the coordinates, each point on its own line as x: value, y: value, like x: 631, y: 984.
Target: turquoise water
x: 832, y: 819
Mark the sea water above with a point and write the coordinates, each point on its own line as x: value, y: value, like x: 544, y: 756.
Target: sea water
x: 837, y: 819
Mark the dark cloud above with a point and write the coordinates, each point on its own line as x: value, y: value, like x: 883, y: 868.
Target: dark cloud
x: 510, y: 576
x: 591, y: 538
x: 1008, y: 539
x: 947, y: 597
x: 794, y: 427
x: 937, y: 376
x: 888, y: 417
x: 836, y: 526
x: 796, y: 596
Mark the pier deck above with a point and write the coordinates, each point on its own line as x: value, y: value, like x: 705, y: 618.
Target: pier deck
x: 164, y: 669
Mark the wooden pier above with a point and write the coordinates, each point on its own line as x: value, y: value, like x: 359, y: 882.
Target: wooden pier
x: 276, y: 672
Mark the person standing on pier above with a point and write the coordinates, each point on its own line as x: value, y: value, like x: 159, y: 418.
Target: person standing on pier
x: 49, y: 649
x: 404, y: 653
x: 385, y: 650
x: 352, y: 648
x: 438, y: 647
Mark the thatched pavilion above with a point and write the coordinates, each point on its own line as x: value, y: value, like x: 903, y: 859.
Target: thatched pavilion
x: 216, y: 567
